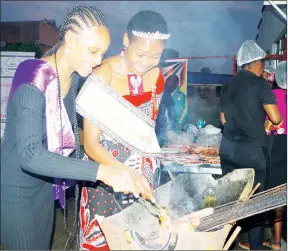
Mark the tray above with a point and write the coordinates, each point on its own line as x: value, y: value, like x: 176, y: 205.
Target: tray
x: 202, y: 168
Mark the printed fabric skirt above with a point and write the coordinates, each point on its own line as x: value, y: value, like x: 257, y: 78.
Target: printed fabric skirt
x: 99, y: 199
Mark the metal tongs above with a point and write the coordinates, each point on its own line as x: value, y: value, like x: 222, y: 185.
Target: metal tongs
x: 152, y: 207
x: 158, y: 211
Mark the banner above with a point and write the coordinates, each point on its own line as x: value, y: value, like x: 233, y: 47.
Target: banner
x: 9, y: 63
x: 178, y: 67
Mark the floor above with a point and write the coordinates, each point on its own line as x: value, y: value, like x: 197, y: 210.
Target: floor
x: 60, y: 235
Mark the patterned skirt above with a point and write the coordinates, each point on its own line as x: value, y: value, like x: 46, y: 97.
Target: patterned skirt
x: 99, y: 199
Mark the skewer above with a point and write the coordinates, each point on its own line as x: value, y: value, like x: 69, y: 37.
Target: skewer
x: 254, y: 190
x: 232, y: 238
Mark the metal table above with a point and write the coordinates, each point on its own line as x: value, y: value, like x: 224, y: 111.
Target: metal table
x: 201, y: 169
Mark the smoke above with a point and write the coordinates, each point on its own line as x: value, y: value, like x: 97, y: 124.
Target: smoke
x: 204, y: 103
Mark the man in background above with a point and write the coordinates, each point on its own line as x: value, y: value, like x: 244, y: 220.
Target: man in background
x: 173, y: 110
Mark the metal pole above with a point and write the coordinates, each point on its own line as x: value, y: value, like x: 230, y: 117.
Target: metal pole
x: 278, y: 10
x: 234, y: 66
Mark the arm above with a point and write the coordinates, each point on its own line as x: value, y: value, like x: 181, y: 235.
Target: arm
x: 92, y: 146
x: 222, y: 118
x: 223, y: 103
x: 267, y: 98
x: 34, y: 157
x: 273, y: 114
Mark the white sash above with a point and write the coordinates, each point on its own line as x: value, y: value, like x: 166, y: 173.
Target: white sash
x: 117, y: 117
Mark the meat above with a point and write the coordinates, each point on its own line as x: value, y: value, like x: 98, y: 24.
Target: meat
x: 203, y: 150
x: 192, y: 155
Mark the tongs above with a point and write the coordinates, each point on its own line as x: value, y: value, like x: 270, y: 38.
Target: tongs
x: 157, y: 211
x: 152, y: 207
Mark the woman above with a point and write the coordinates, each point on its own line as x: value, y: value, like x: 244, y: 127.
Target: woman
x: 269, y: 75
x: 244, y: 103
x: 38, y: 132
x: 278, y: 174
x: 143, y: 43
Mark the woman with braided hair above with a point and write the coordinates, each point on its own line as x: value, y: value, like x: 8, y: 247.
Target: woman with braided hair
x: 39, y: 138
x: 134, y: 75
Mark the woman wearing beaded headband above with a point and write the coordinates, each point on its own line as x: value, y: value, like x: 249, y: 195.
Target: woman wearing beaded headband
x: 134, y: 74
x: 38, y: 131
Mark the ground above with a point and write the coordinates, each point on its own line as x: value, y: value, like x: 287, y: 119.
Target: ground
x: 60, y: 235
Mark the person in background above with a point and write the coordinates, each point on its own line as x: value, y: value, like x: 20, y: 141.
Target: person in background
x: 244, y: 103
x: 269, y: 75
x: 41, y: 132
x: 278, y: 174
x: 177, y: 114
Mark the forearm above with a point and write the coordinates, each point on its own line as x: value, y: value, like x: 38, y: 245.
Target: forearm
x: 50, y: 164
x: 99, y: 154
x: 222, y: 118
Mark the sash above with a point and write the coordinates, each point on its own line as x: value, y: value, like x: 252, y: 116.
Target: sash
x: 117, y: 117
x: 40, y: 74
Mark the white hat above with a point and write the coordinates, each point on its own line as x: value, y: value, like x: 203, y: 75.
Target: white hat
x: 249, y: 52
x: 281, y: 74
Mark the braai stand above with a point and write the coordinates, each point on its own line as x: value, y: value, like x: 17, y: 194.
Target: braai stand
x: 176, y: 169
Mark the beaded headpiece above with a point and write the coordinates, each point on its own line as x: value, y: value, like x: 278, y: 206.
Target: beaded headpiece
x: 153, y: 35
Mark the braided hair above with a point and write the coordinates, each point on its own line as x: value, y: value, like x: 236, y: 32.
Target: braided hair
x: 147, y: 21
x: 88, y: 16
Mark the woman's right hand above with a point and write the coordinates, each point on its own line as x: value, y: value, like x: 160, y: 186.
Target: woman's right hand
x: 124, y: 179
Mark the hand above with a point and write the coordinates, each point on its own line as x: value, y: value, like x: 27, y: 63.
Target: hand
x: 124, y: 179
x: 268, y: 126
x: 194, y: 219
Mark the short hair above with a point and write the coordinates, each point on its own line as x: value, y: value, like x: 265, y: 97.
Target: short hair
x: 147, y: 21
x: 89, y: 15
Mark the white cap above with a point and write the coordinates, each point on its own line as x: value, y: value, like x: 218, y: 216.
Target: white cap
x: 249, y: 52
x: 281, y: 74
x: 269, y: 69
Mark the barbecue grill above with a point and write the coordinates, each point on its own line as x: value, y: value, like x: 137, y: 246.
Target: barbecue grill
x: 136, y: 228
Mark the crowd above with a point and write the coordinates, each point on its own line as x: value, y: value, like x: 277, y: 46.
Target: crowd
x: 41, y: 144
